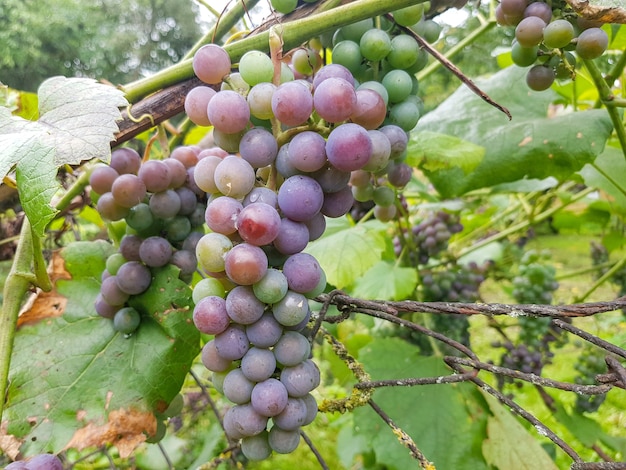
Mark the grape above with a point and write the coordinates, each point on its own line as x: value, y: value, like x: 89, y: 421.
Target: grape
x: 258, y: 364
x: 408, y: 15
x: 398, y: 139
x: 221, y: 214
x: 114, y: 262
x: 258, y: 223
x: 381, y: 151
x: 540, y: 10
x: 242, y: 305
x: 348, y: 147
x: 272, y: 287
x: 21, y: 465
x: 311, y: 406
x: 269, y: 397
x: 166, y: 204
x: 334, y: 99
x: 111, y: 292
x: 235, y: 83
x: 256, y: 447
x: 128, y: 190
x: 348, y: 54
x: 211, y: 63
x: 186, y: 155
x: 186, y: 261
x: 540, y: 78
x: 258, y: 147
x: 529, y: 31
x: 292, y: 349
x: 256, y: 67
x: 210, y: 251
x: 292, y: 309
x: 207, y: 287
x: 129, y: 247
x: 523, y: 56
x: 260, y: 194
x: 375, y: 44
x: 242, y: 420
x: 293, y: 416
x: 399, y: 174
x: 339, y: 203
x: 513, y: 7
x: 125, y: 161
x: 307, y: 151
x: 229, y: 112
x: 292, y: 103
x: 245, y: 264
x: 378, y: 88
x: 210, y: 316
x: 265, y: 332
x: 592, y: 43
x: 196, y: 103
x: 212, y: 360
x: 559, y: 33
x: 126, y: 320
x: 370, y: 109
x: 155, y: 251
x: 398, y: 85
x: 204, y: 173
x: 101, y: 178
x: 331, y: 179
x: 232, y: 343
x: 428, y: 29
x: 316, y: 226
x: 133, y: 278
x: 302, y: 271
x: 237, y: 387
x: 404, y: 52
x: 188, y: 200
x: 260, y: 100
x: 234, y: 177
x: 299, y: 380
x: 155, y: 175
x: 300, y: 197
x: 384, y: 196
x: 283, y: 442
x: 385, y: 213
x: 354, y: 31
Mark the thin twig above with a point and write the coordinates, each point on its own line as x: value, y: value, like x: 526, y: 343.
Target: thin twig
x: 170, y: 466
x: 589, y: 337
x: 207, y: 397
x: 318, y: 456
x: 598, y: 466
x: 442, y: 379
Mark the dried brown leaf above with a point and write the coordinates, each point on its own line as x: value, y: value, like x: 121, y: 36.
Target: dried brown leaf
x: 9, y: 444
x: 607, y: 11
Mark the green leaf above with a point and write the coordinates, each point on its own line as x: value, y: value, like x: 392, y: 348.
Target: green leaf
x: 347, y: 251
x: 586, y: 430
x: 433, y: 151
x: 73, y: 378
x: 509, y: 446
x: 608, y: 173
x: 433, y: 415
x: 386, y: 281
x: 532, y: 145
x: 77, y: 121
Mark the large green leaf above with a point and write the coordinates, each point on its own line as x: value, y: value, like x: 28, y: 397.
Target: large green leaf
x: 386, y: 281
x: 77, y: 121
x: 447, y: 422
x: 347, y: 251
x: 532, y: 145
x: 77, y: 382
x: 608, y: 173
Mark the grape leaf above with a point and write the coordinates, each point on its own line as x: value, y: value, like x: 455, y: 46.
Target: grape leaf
x: 508, y: 445
x: 347, y: 251
x: 386, y: 281
x: 77, y: 121
x: 75, y: 382
x: 433, y: 151
x: 433, y: 415
x: 532, y: 145
x: 608, y: 173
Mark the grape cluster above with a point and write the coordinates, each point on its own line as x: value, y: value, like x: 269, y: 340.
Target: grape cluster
x: 536, y: 281
x: 162, y: 208
x: 453, y: 283
x: 544, y: 38
x: 521, y: 357
x: 38, y: 462
x: 429, y: 238
x: 590, y: 363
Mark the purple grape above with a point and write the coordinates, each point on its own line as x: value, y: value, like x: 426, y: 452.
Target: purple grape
x: 265, y: 332
x: 128, y: 190
x: 261, y: 194
x: 242, y: 305
x: 292, y: 309
x: 334, y: 99
x: 302, y: 271
x: 292, y: 103
x: 300, y: 198
x: 332, y: 70
x: 242, y: 420
x: 258, y: 364
x: 221, y: 214
x: 258, y: 147
x: 101, y: 178
x: 237, y: 387
x: 232, y: 343
x: 210, y: 315
x: 155, y: 174
x: 111, y: 292
x: 292, y: 237
x: 133, y: 277
x: 212, y: 360
x: 258, y: 223
x: 307, y: 151
x: 155, y: 251
x: 269, y: 397
x: 211, y: 63
x: 292, y: 349
x: 44, y: 462
x: 301, y: 379
x: 293, y: 416
x: 245, y: 264
x: 229, y: 112
x: 282, y: 441
x: 339, y: 203
x: 349, y: 147
x: 125, y: 161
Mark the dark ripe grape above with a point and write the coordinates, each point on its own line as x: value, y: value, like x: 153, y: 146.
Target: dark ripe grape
x: 332, y: 70
x: 291, y: 310
x: 133, y: 277
x: 300, y: 198
x: 125, y: 160
x: 221, y: 214
x: 232, y: 343
x: 129, y: 247
x: 348, y: 147
x: 540, y: 78
x: 307, y: 151
x: 269, y: 397
x: 592, y: 43
x: 523, y: 56
x: 258, y: 364
x: 186, y: 261
x: 128, y: 190
x: 282, y: 441
x: 311, y: 406
x: 237, y: 387
x: 348, y: 54
x: 186, y: 155
x: 204, y: 174
x: 260, y: 100
x: 559, y: 33
x: 165, y: 204
x: 188, y: 200
x: 283, y: 164
x: 513, y: 7
x: 258, y: 147
x: 261, y: 194
x: 196, y: 103
x: 155, y: 174
x: 103, y: 308
x: 334, y: 99
x: 381, y: 151
x: 398, y: 139
x: 256, y: 447
x: 21, y: 465
x: 302, y: 271
x: 399, y: 175
x: 540, y: 10
x: 375, y: 44
x: 109, y: 209
x: 212, y: 360
x: 339, y: 203
x: 529, y: 31
x: 370, y: 109
x: 210, y: 316
x: 331, y: 179
x: 242, y: 306
x: 292, y: 237
x: 243, y: 421
x: 111, y: 293
x: 155, y: 251
x: 293, y: 416
x: 234, y: 177
x: 126, y: 320
x: 211, y: 63
x: 301, y: 379
x: 316, y: 226
x: 245, y: 264
x: 178, y: 173
x: 44, y: 462
x: 192, y: 240
x: 101, y: 178
x: 258, y: 223
x: 292, y: 349
x: 229, y: 112
x: 292, y: 103
x: 265, y: 332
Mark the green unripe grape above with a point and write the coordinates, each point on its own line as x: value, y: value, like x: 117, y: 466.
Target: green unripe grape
x: 375, y: 44
x: 256, y: 447
x: 306, y: 61
x: 384, y: 196
x: 558, y: 34
x: 428, y: 29
x: 348, y: 54
x: 363, y: 193
x: 398, y: 84
x: 320, y: 288
x: 286, y: 74
x: 140, y: 217
x: 523, y: 56
x: 207, y: 287
x: 355, y: 31
x: 284, y: 6
x: 409, y: 15
x: 272, y: 287
x: 114, y: 262
x: 256, y: 67
x: 404, y: 52
x: 235, y: 82
x: 404, y: 114
x: 126, y: 320
x: 420, y: 63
